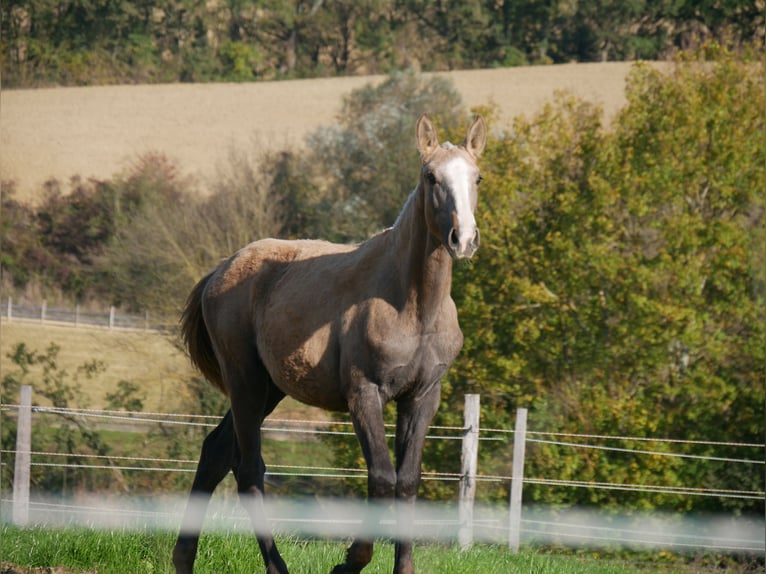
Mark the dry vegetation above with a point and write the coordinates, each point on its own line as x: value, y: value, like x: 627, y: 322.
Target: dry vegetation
x: 148, y: 359
x: 98, y: 131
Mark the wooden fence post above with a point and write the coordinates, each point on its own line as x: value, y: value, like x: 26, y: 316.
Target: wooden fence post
x: 23, y: 457
x: 111, y: 316
x: 10, y: 309
x: 43, y: 308
x: 517, y: 479
x: 468, y: 462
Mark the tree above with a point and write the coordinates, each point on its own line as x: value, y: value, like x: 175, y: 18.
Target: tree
x: 361, y: 171
x: 614, y: 291
x: 176, y: 234
x: 72, y: 436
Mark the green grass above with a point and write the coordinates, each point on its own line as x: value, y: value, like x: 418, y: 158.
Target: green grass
x: 81, y: 550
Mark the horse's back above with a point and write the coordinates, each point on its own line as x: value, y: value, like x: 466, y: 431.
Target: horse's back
x: 282, y: 299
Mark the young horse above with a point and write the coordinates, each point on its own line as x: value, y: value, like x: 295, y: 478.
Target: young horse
x: 341, y: 327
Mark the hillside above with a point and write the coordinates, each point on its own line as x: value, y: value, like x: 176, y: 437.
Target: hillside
x: 97, y: 131
x: 149, y: 359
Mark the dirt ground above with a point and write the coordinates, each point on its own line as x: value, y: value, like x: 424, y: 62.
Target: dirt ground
x: 99, y: 131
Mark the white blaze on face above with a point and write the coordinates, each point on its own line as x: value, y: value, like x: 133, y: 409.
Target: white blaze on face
x: 460, y: 176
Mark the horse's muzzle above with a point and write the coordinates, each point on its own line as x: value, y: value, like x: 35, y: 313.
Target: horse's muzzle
x: 460, y: 246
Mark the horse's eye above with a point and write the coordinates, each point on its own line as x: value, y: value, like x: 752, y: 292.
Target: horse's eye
x: 431, y: 178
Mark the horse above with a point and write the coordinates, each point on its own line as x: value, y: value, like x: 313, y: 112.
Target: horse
x: 345, y: 328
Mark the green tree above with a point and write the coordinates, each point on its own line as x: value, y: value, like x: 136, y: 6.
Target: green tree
x: 71, y: 435
x: 356, y: 175
x: 614, y: 293
x: 21, y: 251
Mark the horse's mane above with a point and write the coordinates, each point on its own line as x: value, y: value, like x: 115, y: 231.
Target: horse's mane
x: 406, y: 206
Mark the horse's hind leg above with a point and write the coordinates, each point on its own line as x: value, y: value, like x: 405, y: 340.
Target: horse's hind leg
x: 253, y: 396
x: 216, y: 459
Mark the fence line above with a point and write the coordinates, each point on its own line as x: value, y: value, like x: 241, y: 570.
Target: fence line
x: 77, y: 317
x: 467, y: 476
x: 309, y: 424
x: 653, y: 452
x: 353, y: 473
x: 309, y: 429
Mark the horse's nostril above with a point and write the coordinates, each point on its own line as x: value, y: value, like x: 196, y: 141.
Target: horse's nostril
x: 454, y: 241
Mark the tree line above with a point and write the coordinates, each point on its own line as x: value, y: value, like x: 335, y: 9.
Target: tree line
x: 85, y: 42
x: 619, y: 288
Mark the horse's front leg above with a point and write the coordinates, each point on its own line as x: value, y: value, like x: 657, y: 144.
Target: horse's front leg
x: 414, y: 415
x: 216, y: 459
x: 366, y: 412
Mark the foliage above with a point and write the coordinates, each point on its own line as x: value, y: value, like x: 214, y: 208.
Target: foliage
x: 72, y: 435
x: 614, y: 292
x: 126, y: 397
x: 21, y: 255
x: 619, y: 289
x: 83, y: 440
x: 96, y: 42
x: 140, y: 240
x: 358, y: 173
x: 179, y: 234
x: 55, y: 242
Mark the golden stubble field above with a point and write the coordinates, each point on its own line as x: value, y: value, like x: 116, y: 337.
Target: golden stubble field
x: 98, y: 131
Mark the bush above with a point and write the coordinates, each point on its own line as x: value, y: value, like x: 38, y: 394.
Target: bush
x: 357, y: 174
x: 615, y: 292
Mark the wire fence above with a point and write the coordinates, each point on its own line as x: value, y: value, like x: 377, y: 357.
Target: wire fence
x: 78, y: 317
x: 486, y: 523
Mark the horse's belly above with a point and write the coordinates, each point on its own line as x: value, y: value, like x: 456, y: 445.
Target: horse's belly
x: 305, y: 370
x: 311, y: 388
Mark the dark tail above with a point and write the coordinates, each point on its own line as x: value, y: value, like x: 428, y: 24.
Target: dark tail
x: 197, y: 338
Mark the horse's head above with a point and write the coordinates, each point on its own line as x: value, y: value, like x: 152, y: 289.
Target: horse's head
x: 450, y: 179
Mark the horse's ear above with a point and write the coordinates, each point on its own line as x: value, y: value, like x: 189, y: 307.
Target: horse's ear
x: 426, y: 137
x: 476, y: 138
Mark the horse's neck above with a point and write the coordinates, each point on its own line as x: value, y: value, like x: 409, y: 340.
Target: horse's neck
x: 426, y: 267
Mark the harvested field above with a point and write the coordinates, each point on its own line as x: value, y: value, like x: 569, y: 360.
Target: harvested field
x: 98, y: 131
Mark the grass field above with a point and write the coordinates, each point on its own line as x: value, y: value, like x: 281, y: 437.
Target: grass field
x: 148, y: 359
x: 77, y: 551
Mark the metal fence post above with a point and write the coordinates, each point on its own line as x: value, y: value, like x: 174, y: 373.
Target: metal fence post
x: 23, y: 457
x: 517, y: 479
x: 468, y: 463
